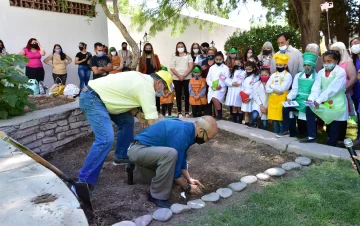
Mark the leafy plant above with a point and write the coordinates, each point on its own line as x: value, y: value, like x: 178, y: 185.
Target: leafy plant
x: 13, y: 91
x: 257, y: 36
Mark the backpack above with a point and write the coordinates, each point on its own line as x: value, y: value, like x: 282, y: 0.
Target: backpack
x: 42, y: 87
x: 34, y: 86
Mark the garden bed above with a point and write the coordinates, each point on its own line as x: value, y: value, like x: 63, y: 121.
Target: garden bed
x: 47, y: 101
x: 219, y: 162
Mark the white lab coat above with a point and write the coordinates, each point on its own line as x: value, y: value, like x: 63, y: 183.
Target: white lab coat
x: 247, y: 87
x: 233, y: 95
x: 214, y: 73
x: 260, y: 97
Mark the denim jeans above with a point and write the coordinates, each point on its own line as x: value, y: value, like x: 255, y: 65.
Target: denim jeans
x: 278, y: 126
x: 254, y: 116
x: 100, y: 121
x: 356, y: 104
x: 84, y: 73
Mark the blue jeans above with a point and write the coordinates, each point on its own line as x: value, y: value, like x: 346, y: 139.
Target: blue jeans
x: 254, y: 116
x: 278, y: 126
x: 356, y: 104
x: 100, y: 121
x: 84, y: 73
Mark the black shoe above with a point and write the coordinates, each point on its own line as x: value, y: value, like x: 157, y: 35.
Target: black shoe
x: 158, y: 202
x: 283, y: 134
x: 251, y: 125
x: 307, y: 140
x: 120, y: 162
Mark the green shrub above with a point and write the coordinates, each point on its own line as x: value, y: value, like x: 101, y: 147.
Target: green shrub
x: 257, y: 36
x: 13, y: 94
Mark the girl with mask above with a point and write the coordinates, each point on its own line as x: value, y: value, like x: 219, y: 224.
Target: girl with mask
x: 206, y: 64
x: 266, y: 57
x: 82, y: 59
x: 278, y: 87
x: 328, y: 99
x: 355, y: 50
x: 234, y: 83
x: 230, y: 60
x: 248, y: 53
x: 181, y: 67
x: 246, y: 93
x: 58, y: 60
x: 2, y: 49
x: 149, y: 63
x: 115, y: 61
x: 260, y: 100
x: 166, y: 102
x: 195, y: 51
x: 215, y: 79
x: 34, y: 68
x: 197, y: 90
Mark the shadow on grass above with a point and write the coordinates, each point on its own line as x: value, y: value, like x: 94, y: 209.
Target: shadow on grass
x: 324, y: 194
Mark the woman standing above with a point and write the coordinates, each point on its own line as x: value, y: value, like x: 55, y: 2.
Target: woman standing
x: 83, y: 59
x: 115, y: 61
x: 59, y: 61
x: 355, y: 50
x: 248, y: 53
x: 34, y: 68
x: 216, y: 82
x: 181, y: 67
x: 206, y: 64
x: 2, y: 49
x: 195, y: 49
x: 266, y: 57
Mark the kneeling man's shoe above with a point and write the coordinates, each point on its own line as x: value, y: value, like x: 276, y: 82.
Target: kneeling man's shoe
x: 307, y: 140
x: 158, y: 202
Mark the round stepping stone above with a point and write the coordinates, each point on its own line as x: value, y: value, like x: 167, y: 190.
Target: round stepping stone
x: 224, y: 192
x: 304, y: 161
x: 125, y: 223
x: 249, y: 179
x: 212, y: 197
x: 144, y: 220
x: 263, y: 176
x: 275, y: 172
x: 196, y: 204
x: 179, y: 208
x: 290, y: 165
x: 237, y: 186
x: 162, y: 214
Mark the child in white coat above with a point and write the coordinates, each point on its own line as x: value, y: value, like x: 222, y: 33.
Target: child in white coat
x: 234, y: 84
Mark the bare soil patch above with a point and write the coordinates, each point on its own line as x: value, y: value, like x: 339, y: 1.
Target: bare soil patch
x: 47, y: 101
x: 217, y: 163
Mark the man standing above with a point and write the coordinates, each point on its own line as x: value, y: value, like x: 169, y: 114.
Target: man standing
x: 203, y: 56
x: 100, y: 63
x: 161, y: 152
x: 115, y: 99
x: 125, y: 55
x: 295, y: 64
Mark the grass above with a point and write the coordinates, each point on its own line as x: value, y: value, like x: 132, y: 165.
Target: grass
x: 324, y: 194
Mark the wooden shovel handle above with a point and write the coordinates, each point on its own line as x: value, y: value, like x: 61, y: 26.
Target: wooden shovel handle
x: 35, y: 157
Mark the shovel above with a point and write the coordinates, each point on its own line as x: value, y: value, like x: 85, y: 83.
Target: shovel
x: 81, y: 188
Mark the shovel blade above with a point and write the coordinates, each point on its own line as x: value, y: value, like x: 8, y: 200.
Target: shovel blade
x: 83, y: 192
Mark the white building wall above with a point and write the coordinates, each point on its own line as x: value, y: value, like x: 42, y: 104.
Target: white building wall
x: 164, y: 45
x: 18, y: 25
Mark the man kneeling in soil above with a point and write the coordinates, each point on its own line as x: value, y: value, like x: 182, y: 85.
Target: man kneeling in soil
x: 161, y: 151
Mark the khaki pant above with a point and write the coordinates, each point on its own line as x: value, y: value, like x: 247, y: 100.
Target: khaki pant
x: 157, y: 163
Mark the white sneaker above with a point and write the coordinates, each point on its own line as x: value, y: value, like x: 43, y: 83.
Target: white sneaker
x: 166, y: 115
x: 180, y: 116
x: 187, y: 116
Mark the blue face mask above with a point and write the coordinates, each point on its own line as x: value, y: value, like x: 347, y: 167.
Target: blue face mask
x: 210, y: 57
x: 58, y: 50
x: 100, y: 54
x: 159, y: 94
x: 329, y: 67
x: 309, y: 70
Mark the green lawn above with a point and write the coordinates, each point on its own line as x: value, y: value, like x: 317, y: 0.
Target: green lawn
x: 323, y: 194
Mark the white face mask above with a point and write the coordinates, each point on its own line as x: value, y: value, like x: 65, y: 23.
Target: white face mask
x: 249, y: 55
x: 113, y: 53
x: 283, y: 47
x: 195, y: 50
x: 180, y: 50
x: 355, y: 49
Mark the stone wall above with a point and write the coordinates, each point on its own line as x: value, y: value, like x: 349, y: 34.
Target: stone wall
x: 49, y: 133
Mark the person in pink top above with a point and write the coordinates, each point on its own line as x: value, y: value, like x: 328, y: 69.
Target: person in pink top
x: 34, y: 68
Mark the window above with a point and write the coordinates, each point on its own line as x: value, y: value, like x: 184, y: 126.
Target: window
x: 54, y: 6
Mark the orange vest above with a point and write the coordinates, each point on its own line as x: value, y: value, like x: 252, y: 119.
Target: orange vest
x: 197, y: 86
x: 167, y: 100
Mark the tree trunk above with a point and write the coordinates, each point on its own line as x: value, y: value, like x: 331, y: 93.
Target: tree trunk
x: 125, y: 33
x: 308, y: 14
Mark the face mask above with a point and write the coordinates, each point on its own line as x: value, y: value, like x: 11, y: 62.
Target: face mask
x: 283, y: 47
x: 236, y: 67
x: 196, y: 75
x: 211, y: 57
x: 35, y: 46
x: 280, y: 69
x: 266, y: 52
x: 58, y: 50
x: 204, y: 51
x: 113, y: 53
x: 1, y: 49
x: 309, y: 70
x: 159, y: 94
x: 329, y: 67
x: 100, y: 54
x: 180, y: 50
x: 249, y: 73
x: 124, y: 48
x: 264, y: 79
x: 200, y: 140
x: 249, y: 55
x: 218, y: 64
x: 81, y: 48
x: 232, y: 56
x: 196, y: 50
x: 148, y: 51
x: 355, y: 49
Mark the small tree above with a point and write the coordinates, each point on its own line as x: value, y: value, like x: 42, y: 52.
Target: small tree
x: 257, y: 36
x: 13, y: 93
